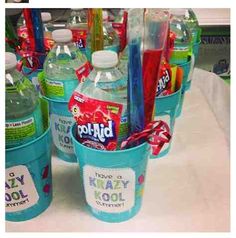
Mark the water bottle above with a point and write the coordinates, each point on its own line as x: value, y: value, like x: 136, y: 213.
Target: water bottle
x: 24, y: 121
x: 191, y: 21
x: 78, y: 24
x: 111, y: 39
x: 47, y: 25
x: 105, y: 83
x: 47, y: 30
x: 182, y: 44
x: 64, y: 66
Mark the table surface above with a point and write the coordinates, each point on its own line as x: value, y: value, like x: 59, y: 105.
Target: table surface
x: 188, y: 190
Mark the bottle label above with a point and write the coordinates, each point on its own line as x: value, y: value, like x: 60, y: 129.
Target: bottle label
x: 20, y: 191
x: 164, y: 82
x: 79, y: 37
x: 109, y: 190
x: 61, y: 132
x: 83, y: 71
x: 98, y: 122
x: 54, y: 88
x: 19, y: 129
x: 123, y: 132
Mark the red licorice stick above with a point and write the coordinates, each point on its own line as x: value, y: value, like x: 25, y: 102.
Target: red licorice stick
x: 29, y: 25
x: 151, y: 66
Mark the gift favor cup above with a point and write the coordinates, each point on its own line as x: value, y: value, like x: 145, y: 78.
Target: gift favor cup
x: 113, y: 181
x: 186, y: 72
x: 28, y: 183
x: 61, y: 121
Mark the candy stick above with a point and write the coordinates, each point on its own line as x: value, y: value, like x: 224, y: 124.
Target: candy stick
x: 135, y: 89
x: 151, y: 65
x: 29, y: 25
x: 38, y: 34
x: 155, y: 34
x: 135, y: 84
x: 96, y: 30
x: 179, y: 78
x: 38, y: 30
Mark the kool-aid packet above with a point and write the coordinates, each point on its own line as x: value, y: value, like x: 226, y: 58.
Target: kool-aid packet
x: 97, y: 121
x: 164, y: 81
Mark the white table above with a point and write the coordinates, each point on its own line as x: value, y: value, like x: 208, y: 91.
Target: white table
x: 186, y: 191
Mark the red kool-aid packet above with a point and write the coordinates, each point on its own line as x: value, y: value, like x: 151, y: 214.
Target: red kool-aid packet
x: 98, y: 121
x: 164, y: 81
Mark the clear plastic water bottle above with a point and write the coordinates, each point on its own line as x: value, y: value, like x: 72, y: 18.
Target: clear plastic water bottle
x: 23, y: 112
x: 47, y: 30
x: 111, y: 39
x: 106, y: 83
x: 191, y: 21
x: 47, y: 25
x: 78, y: 24
x: 64, y: 66
x: 182, y: 44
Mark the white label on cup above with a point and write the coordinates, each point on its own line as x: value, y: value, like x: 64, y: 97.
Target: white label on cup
x: 20, y: 192
x: 166, y: 119
x: 109, y: 190
x: 61, y: 132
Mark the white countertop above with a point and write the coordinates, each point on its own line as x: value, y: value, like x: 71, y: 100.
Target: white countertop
x: 188, y: 190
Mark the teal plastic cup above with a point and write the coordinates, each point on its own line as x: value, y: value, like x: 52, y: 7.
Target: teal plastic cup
x: 196, y: 47
x: 113, y: 181
x: 61, y: 121
x: 28, y: 183
x: 185, y: 85
x: 165, y: 110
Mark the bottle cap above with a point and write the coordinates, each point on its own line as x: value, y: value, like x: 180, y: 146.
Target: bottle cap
x: 10, y: 60
x: 46, y: 16
x: 104, y: 59
x: 62, y: 35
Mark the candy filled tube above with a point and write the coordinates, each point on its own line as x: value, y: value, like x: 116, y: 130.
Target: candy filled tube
x: 29, y: 26
x: 96, y: 30
x: 155, y: 35
x: 33, y: 23
x: 135, y: 83
x: 135, y: 89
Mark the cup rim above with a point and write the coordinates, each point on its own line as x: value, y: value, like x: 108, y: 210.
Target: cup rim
x: 103, y: 151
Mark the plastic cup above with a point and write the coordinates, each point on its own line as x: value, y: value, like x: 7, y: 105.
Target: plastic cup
x: 61, y: 121
x: 196, y: 47
x: 185, y: 85
x: 28, y: 184
x: 113, y: 181
x: 165, y: 110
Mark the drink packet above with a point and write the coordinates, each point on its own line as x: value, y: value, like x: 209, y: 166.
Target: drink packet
x: 164, y: 81
x: 98, y: 122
